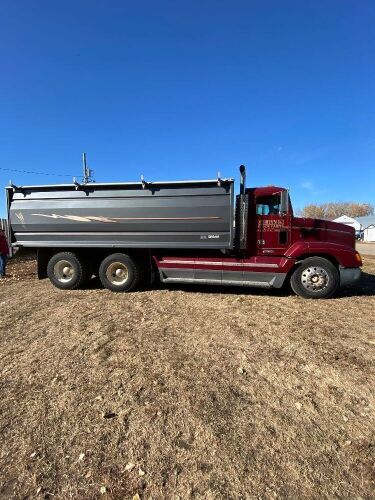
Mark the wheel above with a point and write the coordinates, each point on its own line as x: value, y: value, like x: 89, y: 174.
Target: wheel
x: 120, y: 273
x: 66, y: 271
x: 315, y: 278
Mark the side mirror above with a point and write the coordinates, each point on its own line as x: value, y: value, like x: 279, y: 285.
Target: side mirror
x: 284, y: 202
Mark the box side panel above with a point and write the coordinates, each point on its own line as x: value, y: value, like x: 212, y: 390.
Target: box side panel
x: 166, y: 217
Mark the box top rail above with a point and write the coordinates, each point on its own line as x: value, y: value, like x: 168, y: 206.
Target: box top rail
x: 95, y: 185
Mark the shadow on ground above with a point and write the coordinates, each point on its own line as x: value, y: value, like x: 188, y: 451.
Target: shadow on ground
x: 365, y: 287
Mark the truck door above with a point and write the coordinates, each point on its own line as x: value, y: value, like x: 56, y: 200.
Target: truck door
x: 273, y: 223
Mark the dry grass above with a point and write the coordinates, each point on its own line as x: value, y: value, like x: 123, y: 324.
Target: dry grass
x: 211, y: 393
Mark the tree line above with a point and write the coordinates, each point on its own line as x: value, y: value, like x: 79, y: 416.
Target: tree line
x: 336, y: 209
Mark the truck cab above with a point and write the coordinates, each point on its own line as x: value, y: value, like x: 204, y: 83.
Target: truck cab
x: 274, y: 231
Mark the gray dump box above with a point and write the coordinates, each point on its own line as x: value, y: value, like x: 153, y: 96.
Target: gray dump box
x: 188, y: 214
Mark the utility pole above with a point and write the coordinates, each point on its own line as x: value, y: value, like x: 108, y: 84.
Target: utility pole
x: 87, y: 172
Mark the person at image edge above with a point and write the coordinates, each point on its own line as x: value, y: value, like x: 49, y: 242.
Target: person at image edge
x: 4, y: 250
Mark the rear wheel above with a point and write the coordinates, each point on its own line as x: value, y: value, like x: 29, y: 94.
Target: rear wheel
x: 120, y: 273
x: 315, y: 278
x: 66, y: 271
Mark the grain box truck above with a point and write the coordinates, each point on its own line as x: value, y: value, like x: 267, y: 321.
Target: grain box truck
x: 196, y: 232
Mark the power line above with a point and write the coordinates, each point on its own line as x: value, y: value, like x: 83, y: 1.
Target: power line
x: 36, y: 173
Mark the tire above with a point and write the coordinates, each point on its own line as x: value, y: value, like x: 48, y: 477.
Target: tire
x: 120, y: 273
x: 315, y: 278
x: 66, y: 271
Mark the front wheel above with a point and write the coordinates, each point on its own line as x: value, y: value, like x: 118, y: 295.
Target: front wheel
x: 315, y: 278
x: 120, y: 273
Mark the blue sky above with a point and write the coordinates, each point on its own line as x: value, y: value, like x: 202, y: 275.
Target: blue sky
x: 180, y: 90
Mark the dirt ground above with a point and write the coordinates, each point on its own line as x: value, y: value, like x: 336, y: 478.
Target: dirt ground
x: 185, y: 392
x: 366, y: 248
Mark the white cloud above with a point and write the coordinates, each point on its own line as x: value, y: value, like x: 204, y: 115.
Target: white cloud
x: 309, y: 186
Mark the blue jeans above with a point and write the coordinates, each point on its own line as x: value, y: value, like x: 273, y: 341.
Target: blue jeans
x: 3, y: 263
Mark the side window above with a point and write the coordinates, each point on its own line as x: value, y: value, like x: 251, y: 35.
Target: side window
x: 268, y: 205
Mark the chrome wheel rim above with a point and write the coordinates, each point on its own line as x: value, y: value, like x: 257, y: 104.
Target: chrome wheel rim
x: 117, y: 273
x: 314, y: 279
x: 64, y: 271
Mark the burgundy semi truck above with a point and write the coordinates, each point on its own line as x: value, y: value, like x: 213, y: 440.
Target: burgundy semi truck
x: 196, y: 232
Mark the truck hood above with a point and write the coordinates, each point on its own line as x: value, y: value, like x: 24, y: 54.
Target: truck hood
x: 324, y: 230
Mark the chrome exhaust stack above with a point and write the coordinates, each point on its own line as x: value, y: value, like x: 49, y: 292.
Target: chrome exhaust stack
x: 242, y: 179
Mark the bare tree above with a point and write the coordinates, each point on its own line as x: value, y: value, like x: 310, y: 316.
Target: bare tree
x: 336, y: 209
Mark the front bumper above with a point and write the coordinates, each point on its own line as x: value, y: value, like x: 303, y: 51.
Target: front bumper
x: 349, y: 275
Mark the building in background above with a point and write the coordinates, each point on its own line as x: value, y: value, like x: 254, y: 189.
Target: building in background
x: 348, y: 221
x: 364, y: 226
x: 368, y: 227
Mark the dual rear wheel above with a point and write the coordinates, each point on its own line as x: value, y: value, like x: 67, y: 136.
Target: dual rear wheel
x: 66, y: 270
x: 120, y: 273
x: 117, y: 272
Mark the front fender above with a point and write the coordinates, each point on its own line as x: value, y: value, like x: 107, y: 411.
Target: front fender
x: 345, y: 256
x: 297, y: 249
